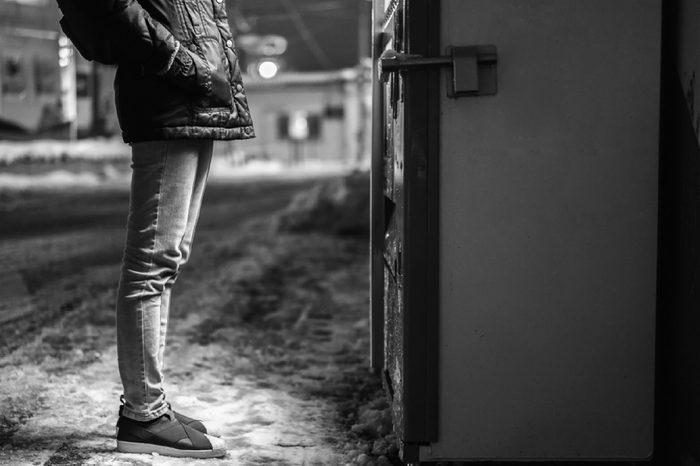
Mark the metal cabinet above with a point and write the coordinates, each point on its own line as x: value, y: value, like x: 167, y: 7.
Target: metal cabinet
x: 514, y: 198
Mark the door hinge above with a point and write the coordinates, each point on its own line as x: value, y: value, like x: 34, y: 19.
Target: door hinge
x: 473, y: 68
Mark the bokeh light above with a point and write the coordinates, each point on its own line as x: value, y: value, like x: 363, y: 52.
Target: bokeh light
x: 268, y: 69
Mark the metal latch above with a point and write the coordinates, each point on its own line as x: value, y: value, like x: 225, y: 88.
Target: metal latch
x: 473, y: 68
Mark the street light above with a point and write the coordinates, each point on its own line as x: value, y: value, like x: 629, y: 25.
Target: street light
x: 267, y: 69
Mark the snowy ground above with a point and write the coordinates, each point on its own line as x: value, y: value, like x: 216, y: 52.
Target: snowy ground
x: 49, y: 150
x: 98, y: 163
x: 268, y: 340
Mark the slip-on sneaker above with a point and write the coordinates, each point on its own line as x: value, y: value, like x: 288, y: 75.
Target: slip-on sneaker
x: 166, y: 436
x: 188, y: 421
x: 194, y: 423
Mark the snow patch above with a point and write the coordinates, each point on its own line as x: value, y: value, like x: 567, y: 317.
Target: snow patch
x: 223, y: 169
x: 55, y: 150
x: 59, y: 170
x: 54, y: 179
x: 58, y: 179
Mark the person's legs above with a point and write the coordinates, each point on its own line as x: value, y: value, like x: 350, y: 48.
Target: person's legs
x: 200, y: 179
x: 167, y: 184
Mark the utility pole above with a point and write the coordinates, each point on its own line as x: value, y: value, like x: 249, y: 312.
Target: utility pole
x: 364, y: 36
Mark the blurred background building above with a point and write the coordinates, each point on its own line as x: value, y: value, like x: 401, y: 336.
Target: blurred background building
x: 306, y: 64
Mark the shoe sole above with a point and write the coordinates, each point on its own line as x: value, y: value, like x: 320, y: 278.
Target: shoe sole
x: 150, y: 448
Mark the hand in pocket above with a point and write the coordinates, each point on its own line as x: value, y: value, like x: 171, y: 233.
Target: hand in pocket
x: 188, y: 72
x: 193, y: 74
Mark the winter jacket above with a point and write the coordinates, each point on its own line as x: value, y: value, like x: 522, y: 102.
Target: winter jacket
x: 178, y: 75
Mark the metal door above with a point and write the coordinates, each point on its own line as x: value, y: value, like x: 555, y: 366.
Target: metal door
x: 514, y: 239
x: 404, y: 295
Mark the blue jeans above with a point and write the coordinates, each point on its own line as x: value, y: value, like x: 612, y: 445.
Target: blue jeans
x: 167, y: 185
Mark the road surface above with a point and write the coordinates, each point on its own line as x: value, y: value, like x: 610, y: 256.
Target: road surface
x: 268, y: 335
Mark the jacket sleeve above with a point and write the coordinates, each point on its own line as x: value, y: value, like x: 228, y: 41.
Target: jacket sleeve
x: 142, y: 41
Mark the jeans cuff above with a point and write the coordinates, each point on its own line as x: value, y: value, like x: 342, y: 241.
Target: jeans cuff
x: 136, y: 416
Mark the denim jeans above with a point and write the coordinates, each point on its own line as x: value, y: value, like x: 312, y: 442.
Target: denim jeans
x: 167, y: 185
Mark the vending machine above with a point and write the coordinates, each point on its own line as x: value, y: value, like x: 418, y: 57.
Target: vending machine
x: 514, y: 226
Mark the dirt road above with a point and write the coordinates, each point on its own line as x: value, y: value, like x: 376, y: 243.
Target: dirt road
x: 268, y: 338
x: 50, y: 239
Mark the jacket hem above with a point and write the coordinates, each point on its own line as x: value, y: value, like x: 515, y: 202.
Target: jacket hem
x: 188, y: 132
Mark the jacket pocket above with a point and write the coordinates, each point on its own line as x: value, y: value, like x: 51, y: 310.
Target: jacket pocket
x: 189, y: 73
x: 203, y: 75
x: 220, y: 91
x: 219, y: 95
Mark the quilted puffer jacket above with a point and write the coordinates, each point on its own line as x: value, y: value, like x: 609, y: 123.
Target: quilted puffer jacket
x: 178, y: 75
